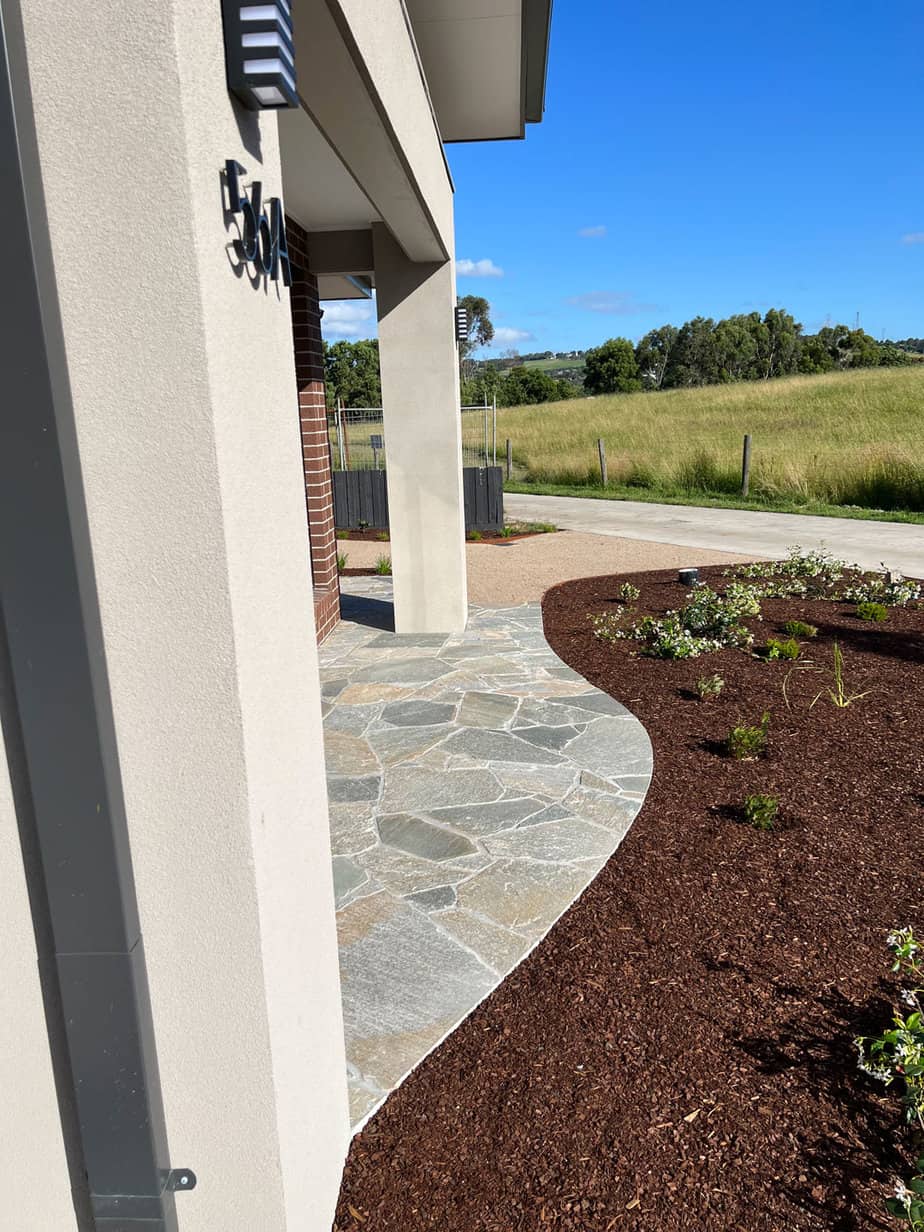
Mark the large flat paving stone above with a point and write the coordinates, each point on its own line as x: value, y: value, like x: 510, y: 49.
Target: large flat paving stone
x: 476, y: 786
x: 423, y: 838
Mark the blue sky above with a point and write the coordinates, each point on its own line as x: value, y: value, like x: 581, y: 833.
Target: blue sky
x: 711, y: 158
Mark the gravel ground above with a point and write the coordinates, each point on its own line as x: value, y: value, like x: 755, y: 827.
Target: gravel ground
x: 523, y: 570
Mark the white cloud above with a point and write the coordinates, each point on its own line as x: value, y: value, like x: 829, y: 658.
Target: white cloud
x: 592, y: 233
x: 913, y: 237
x: 614, y: 303
x: 348, y: 318
x: 505, y: 336
x: 485, y: 268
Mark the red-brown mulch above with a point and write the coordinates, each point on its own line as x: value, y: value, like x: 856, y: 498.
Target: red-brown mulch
x: 677, y: 1054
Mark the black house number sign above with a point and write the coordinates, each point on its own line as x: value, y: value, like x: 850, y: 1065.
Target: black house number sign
x: 263, y: 233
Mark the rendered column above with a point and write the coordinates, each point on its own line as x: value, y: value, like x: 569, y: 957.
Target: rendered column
x: 423, y: 438
x: 176, y: 406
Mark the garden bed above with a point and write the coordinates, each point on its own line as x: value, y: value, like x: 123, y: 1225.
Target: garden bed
x: 678, y: 1053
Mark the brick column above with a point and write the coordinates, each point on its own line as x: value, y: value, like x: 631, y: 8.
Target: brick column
x: 309, y: 371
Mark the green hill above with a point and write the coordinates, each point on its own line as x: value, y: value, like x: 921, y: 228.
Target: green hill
x: 842, y: 439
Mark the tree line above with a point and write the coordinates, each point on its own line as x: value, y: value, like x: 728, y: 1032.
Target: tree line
x: 745, y: 347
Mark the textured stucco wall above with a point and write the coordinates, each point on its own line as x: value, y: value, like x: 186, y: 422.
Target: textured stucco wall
x: 186, y: 417
x: 420, y: 396
x: 385, y: 43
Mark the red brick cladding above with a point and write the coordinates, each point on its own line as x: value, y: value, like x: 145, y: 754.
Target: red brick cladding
x: 309, y: 372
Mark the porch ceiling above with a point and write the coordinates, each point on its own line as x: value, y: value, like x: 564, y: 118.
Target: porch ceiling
x: 320, y: 193
x: 485, y: 63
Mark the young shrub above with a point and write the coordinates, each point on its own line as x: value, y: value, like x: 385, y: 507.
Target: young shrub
x: 474, y: 536
x: 897, y: 1055
x: 760, y: 811
x: 342, y: 534
x: 668, y: 639
x: 507, y: 532
x: 607, y: 626
x: 363, y: 524
x: 748, y: 743
x: 627, y: 593
x: 801, y: 573
x: 382, y: 536
x: 709, y: 686
x: 342, y: 559
x: 889, y: 588
x: 798, y: 628
x: 777, y: 649
x: 875, y: 612
x: 383, y: 566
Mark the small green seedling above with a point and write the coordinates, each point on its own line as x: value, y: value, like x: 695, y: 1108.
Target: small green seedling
x: 475, y: 536
x: 778, y: 649
x: 342, y: 534
x: 748, y: 743
x: 709, y: 686
x: 798, y: 628
x: 876, y: 612
x: 383, y: 565
x: 342, y: 559
x: 382, y: 536
x: 760, y: 811
x: 627, y: 593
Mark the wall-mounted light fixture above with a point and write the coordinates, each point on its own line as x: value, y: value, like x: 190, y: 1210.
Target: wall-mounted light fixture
x: 259, y: 54
x: 462, y: 323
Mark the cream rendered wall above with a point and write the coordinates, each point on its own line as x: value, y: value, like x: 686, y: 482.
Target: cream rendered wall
x: 184, y: 392
x: 384, y: 40
x: 420, y: 398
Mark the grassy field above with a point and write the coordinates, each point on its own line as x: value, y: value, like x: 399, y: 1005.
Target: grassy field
x: 553, y: 365
x: 819, y: 443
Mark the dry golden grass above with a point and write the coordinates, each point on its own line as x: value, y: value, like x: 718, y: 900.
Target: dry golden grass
x: 851, y: 438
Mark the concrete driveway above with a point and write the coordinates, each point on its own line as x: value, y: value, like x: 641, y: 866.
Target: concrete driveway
x: 738, y: 531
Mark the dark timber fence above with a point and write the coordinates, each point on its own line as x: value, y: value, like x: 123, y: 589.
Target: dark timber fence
x: 362, y: 496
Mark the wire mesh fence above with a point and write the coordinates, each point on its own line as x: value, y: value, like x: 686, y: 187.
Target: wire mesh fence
x: 357, y: 437
x: 479, y: 435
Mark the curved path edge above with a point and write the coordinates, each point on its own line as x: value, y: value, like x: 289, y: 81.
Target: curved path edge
x: 477, y: 785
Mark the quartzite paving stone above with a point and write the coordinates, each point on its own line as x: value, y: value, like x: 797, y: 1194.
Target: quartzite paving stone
x: 486, y: 709
x: 487, y: 745
x: 480, y: 819
x: 417, y: 713
x: 422, y: 838
x: 476, y: 785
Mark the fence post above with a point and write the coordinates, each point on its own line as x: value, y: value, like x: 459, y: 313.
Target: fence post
x: 746, y: 465
x: 601, y: 449
x: 485, y: 424
x: 340, y: 436
x: 509, y: 458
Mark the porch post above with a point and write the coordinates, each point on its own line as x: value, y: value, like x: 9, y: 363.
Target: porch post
x: 423, y: 435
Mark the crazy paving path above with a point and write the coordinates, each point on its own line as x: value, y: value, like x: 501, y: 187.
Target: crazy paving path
x: 476, y: 786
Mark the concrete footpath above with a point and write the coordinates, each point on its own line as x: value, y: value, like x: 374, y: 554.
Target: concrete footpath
x: 737, y: 531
